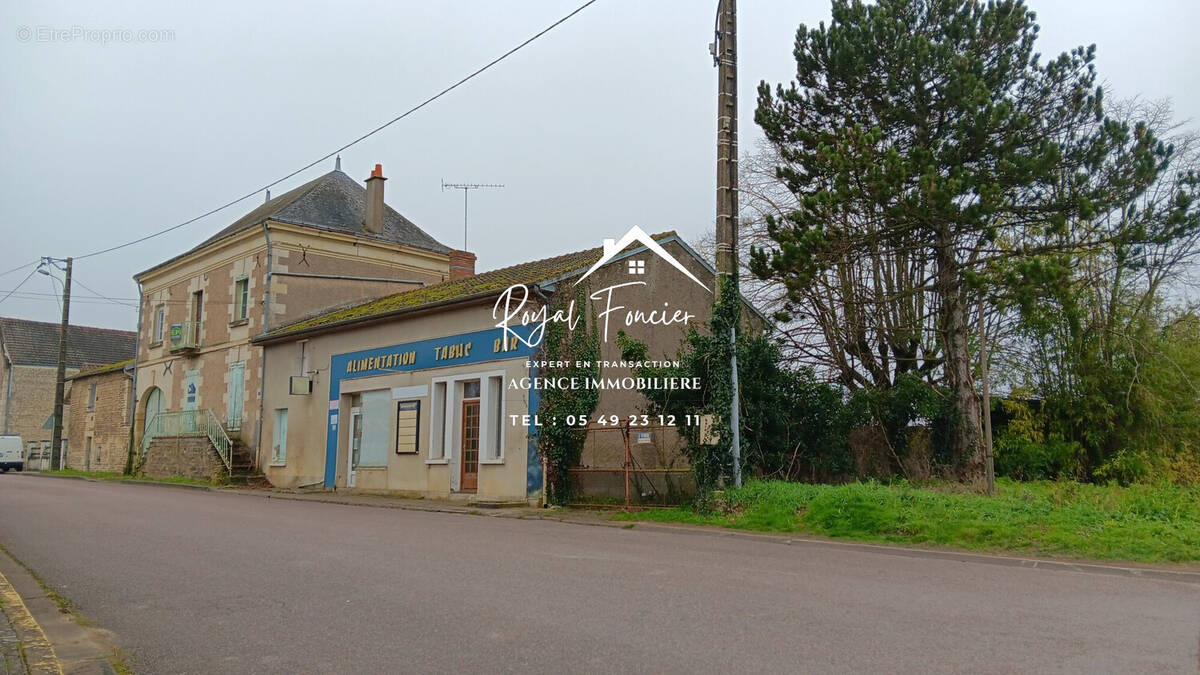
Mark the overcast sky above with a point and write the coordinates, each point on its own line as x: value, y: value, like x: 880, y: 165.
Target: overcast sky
x: 606, y: 122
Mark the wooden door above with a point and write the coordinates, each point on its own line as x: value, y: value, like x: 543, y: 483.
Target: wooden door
x: 470, y: 446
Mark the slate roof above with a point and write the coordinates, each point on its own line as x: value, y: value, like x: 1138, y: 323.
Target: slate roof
x: 35, y: 343
x: 479, y: 285
x: 334, y: 202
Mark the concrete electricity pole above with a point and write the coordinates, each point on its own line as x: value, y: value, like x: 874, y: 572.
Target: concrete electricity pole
x: 60, y: 381
x: 724, y: 52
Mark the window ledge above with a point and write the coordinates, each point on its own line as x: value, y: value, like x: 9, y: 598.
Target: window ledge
x: 155, y: 344
x: 278, y: 463
x: 492, y: 461
x: 437, y: 461
x: 239, y: 322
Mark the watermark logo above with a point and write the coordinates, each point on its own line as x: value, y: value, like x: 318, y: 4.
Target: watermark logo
x: 94, y: 35
x: 636, y: 234
x: 515, y: 306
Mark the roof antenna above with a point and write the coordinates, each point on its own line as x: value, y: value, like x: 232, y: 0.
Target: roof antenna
x: 268, y: 196
x: 466, y: 187
x: 337, y: 163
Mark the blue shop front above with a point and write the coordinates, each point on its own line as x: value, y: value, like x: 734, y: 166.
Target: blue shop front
x: 430, y: 416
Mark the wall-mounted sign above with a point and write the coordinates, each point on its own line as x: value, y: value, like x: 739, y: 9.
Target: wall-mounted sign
x: 299, y: 386
x: 408, y: 427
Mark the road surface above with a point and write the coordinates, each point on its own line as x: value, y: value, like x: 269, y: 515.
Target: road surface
x: 203, y: 582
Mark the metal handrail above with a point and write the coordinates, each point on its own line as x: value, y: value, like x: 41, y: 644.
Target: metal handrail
x: 190, y: 423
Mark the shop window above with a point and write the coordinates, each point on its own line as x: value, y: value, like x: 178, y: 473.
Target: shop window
x: 494, y: 425
x: 279, y: 438
x: 437, y: 421
x: 376, y: 411
x: 241, y: 299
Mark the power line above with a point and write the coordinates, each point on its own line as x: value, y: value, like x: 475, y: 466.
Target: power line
x: 101, y: 295
x: 352, y: 143
x: 18, y: 286
x: 17, y: 269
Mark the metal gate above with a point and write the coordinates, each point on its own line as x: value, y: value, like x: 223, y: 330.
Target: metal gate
x: 630, y: 465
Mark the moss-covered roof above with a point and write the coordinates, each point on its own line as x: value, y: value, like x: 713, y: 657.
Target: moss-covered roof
x: 455, y: 290
x: 120, y: 365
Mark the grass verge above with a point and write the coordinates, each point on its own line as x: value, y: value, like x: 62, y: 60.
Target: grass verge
x: 1138, y: 523
x: 106, y: 475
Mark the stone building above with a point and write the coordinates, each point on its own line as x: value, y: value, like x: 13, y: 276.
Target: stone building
x: 426, y: 392
x: 99, y: 405
x: 27, y: 374
x: 330, y: 242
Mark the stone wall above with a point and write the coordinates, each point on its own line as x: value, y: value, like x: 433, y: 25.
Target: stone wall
x: 103, y: 427
x: 30, y: 403
x: 186, y: 456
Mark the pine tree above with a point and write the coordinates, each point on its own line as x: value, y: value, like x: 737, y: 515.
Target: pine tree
x: 937, y: 119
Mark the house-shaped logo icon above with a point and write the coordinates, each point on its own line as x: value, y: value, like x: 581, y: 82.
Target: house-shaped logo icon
x: 635, y: 233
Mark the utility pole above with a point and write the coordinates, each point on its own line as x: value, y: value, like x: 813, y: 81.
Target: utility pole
x: 60, y: 380
x: 724, y: 52
x: 988, y: 453
x: 467, y: 187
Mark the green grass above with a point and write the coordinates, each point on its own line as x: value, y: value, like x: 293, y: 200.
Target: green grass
x: 1138, y: 523
x: 108, y: 475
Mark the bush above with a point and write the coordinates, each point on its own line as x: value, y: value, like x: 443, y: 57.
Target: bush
x: 1022, y: 458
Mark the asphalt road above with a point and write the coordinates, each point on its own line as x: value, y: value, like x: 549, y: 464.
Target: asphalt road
x: 201, y: 582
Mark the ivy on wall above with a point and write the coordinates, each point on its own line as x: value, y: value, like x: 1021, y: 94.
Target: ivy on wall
x: 559, y: 442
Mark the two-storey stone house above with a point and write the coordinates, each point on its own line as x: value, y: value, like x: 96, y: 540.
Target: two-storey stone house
x: 327, y: 243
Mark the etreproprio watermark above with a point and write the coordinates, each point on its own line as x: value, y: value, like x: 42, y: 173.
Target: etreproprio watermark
x: 92, y: 35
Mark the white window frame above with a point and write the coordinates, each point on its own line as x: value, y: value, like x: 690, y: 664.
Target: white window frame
x: 160, y: 322
x: 279, y: 441
x: 437, y: 427
x: 452, y: 417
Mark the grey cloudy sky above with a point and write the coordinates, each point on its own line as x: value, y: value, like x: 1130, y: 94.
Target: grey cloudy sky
x: 604, y: 123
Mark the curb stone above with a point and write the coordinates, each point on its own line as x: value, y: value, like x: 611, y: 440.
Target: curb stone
x: 38, y: 657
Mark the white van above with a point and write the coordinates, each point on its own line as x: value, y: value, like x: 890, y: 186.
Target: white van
x: 12, y: 453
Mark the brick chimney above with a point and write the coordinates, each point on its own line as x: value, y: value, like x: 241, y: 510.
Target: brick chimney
x: 374, y: 221
x: 462, y: 264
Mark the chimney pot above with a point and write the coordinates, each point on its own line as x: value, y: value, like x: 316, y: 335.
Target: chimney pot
x: 375, y: 206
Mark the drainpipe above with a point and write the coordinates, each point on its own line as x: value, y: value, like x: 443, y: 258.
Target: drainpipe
x: 132, y: 414
x: 7, y: 392
x: 537, y: 290
x: 262, y: 361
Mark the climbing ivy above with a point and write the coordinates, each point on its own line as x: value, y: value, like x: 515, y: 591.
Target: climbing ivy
x: 792, y: 425
x: 578, y: 350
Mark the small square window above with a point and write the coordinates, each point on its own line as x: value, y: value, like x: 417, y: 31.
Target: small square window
x: 471, y: 389
x: 637, y: 266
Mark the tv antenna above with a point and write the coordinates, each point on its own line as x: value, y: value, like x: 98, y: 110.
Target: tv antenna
x: 466, y: 188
